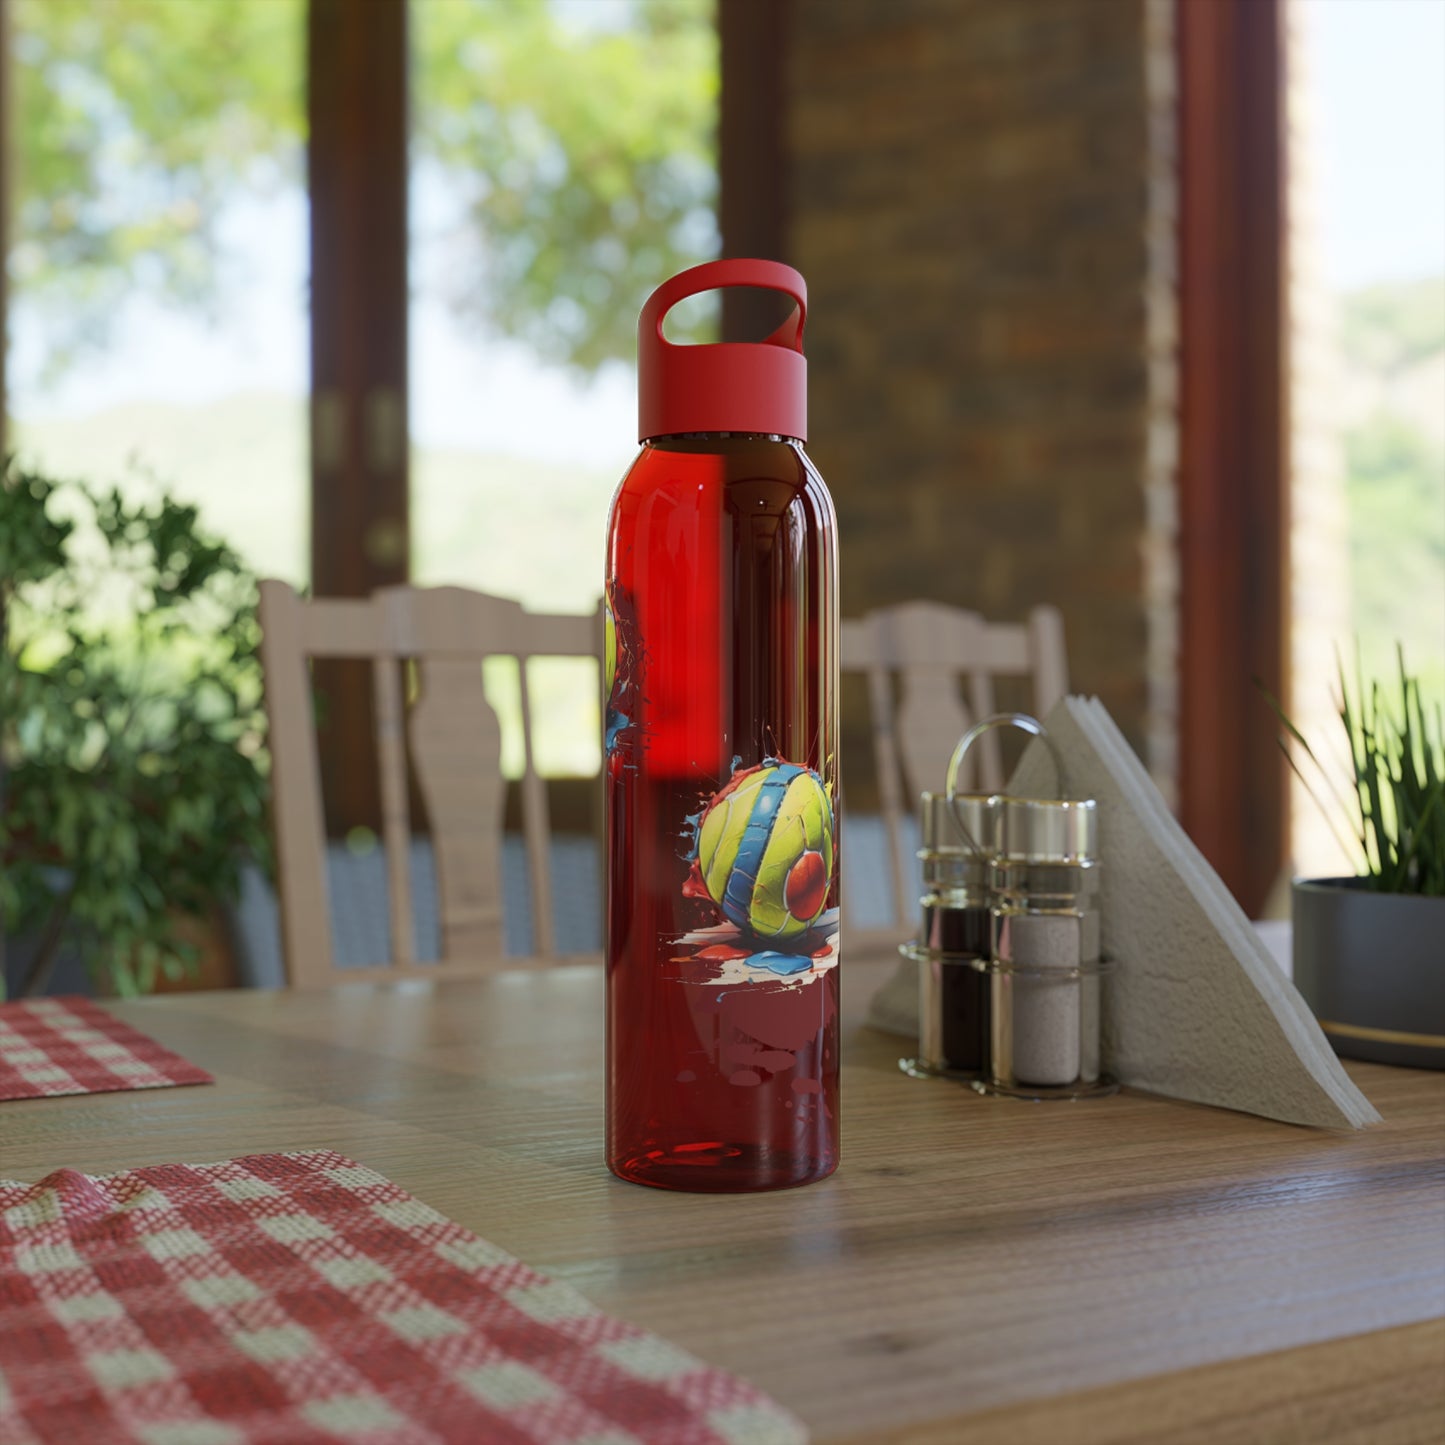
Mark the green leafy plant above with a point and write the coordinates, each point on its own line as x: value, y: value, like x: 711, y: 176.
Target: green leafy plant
x: 1395, y: 808
x: 131, y: 731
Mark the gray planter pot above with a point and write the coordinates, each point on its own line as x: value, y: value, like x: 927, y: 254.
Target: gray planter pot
x: 70, y: 974
x: 1372, y: 967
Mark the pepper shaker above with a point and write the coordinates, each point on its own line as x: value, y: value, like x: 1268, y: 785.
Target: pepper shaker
x: 954, y: 940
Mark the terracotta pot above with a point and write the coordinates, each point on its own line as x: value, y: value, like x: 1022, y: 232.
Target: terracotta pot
x: 1372, y: 967
x: 216, y: 966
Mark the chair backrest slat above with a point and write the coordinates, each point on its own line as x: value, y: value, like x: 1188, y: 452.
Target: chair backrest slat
x: 536, y: 826
x: 987, y: 772
x: 1049, y: 659
x: 442, y: 636
x: 887, y: 761
x: 395, y: 812
x: 930, y: 647
x: 295, y: 788
x: 456, y: 742
x: 339, y: 627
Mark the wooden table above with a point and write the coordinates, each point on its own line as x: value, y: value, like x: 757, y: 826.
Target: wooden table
x: 979, y: 1270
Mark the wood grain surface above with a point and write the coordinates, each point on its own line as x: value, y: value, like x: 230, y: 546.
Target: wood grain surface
x: 1385, y: 1388
x: 1126, y: 1269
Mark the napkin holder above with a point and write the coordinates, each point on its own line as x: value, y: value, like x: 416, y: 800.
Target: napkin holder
x: 1197, y: 1008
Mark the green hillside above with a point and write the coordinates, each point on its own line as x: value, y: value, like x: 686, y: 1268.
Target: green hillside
x: 521, y: 528
x: 1391, y: 328
x: 1393, y: 344
x: 242, y: 461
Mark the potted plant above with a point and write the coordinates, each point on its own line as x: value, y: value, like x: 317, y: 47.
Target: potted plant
x: 132, y: 772
x: 1369, y: 951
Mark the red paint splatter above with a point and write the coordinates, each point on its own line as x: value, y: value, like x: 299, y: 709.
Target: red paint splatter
x: 721, y: 952
x: 693, y: 886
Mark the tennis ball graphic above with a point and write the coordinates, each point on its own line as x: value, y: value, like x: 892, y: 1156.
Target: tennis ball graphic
x: 765, y: 850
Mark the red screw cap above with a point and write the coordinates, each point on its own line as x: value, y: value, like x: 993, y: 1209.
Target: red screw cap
x: 739, y: 386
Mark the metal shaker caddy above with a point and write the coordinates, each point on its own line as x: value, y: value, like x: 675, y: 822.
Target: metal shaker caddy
x: 1010, y: 977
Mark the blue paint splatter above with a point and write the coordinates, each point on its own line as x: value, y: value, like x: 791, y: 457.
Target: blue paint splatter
x: 691, y: 833
x: 617, y: 724
x: 783, y: 963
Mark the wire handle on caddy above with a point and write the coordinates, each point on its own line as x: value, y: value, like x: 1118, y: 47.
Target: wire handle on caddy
x: 1025, y: 723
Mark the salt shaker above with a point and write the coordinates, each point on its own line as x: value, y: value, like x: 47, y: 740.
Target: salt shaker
x: 1045, y: 968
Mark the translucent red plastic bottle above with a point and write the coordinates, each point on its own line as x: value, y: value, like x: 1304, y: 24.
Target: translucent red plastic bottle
x: 721, y: 768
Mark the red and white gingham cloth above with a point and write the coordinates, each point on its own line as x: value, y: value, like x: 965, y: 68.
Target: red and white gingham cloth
x: 305, y: 1299
x: 73, y: 1046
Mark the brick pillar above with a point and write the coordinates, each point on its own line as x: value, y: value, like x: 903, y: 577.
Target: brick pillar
x: 975, y: 201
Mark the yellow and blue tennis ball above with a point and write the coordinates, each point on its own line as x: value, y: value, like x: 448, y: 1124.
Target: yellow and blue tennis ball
x: 765, y: 850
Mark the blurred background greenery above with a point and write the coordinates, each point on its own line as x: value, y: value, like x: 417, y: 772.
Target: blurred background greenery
x: 563, y: 161
x: 1392, y: 341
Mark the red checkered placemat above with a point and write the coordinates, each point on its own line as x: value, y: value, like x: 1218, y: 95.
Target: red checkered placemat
x: 73, y: 1046
x: 301, y: 1298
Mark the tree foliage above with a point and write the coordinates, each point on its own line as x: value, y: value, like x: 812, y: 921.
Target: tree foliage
x: 582, y: 153
x: 136, y: 121
x: 586, y: 159
x: 130, y: 725
x: 1393, y: 348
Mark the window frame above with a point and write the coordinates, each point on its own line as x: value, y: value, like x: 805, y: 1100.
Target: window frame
x: 1234, y: 438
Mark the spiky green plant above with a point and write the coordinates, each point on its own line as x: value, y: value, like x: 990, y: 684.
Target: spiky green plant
x: 1395, y: 808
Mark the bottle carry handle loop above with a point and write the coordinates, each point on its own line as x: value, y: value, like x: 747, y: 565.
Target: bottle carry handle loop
x: 719, y: 276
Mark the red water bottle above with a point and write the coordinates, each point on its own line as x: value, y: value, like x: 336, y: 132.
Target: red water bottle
x: 722, y: 766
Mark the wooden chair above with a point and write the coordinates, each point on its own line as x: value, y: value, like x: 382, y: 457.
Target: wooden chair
x: 455, y: 742
x: 929, y: 647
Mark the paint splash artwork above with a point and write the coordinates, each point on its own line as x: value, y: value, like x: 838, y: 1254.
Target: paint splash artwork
x: 759, y: 979
x: 762, y: 854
